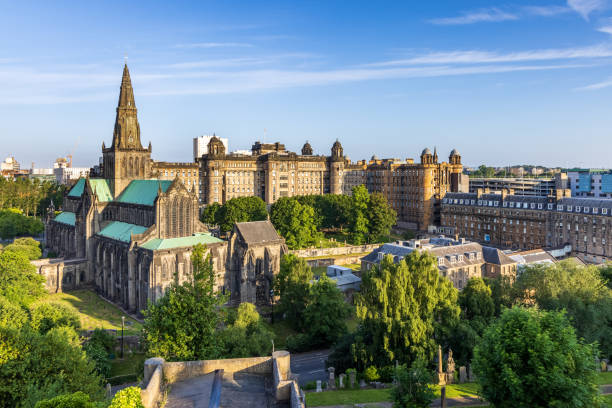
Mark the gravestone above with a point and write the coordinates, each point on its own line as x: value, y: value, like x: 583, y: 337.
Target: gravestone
x: 352, y: 376
x: 362, y: 384
x: 109, y: 391
x: 319, y: 389
x: 332, y: 380
x: 604, y: 365
x: 341, y: 380
x: 463, y: 377
x: 471, y: 374
x: 609, y: 367
x: 450, y: 368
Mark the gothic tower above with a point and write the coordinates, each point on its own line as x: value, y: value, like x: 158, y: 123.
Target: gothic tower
x: 126, y: 159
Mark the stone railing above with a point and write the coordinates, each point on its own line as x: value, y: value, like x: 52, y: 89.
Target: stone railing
x: 324, y: 252
x: 158, y: 374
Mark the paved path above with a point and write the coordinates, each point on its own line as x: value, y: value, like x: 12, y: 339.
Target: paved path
x: 309, y: 366
x: 239, y: 390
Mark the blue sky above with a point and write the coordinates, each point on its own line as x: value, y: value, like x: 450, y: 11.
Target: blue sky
x: 503, y: 82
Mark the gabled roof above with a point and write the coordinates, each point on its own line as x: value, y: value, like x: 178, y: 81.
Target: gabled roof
x: 121, y: 231
x: 257, y: 232
x: 143, y: 192
x: 102, y: 189
x: 78, y: 188
x: 495, y: 256
x: 169, y: 243
x: 66, y: 217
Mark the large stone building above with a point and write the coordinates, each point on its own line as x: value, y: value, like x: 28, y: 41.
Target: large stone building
x: 519, y: 222
x: 135, y: 231
x: 414, y: 190
x: 457, y: 260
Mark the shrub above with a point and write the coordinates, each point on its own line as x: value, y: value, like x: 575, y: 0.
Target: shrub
x: 46, y: 316
x: 11, y: 315
x: 104, y: 339
x: 298, y: 342
x: 414, y: 388
x: 371, y: 374
x: 77, y: 400
x: 127, y: 398
x: 386, y: 374
x: 96, y: 353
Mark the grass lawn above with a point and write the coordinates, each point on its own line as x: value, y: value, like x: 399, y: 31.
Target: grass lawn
x: 95, y: 312
x: 349, y: 397
x: 128, y: 365
x: 604, y: 378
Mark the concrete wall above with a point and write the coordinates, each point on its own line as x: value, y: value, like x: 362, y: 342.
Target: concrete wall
x: 61, y: 274
x: 345, y: 250
x: 177, y: 371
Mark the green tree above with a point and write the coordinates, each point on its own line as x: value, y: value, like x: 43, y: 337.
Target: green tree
x: 26, y: 246
x: 246, y: 336
x: 19, y: 282
x: 381, y: 217
x: 404, y: 309
x: 12, y: 316
x: 47, y: 315
x: 530, y: 358
x: 476, y: 302
x: 326, y: 313
x: 358, y: 220
x: 209, y: 214
x: 35, y: 366
x: 292, y: 285
x: 295, y: 222
x: 606, y: 275
x: 240, y: 209
x: 579, y: 290
x: 413, y: 386
x: 181, y: 325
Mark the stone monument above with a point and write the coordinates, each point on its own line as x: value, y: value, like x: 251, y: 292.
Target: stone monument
x: 319, y: 389
x: 341, y: 380
x: 332, y: 380
x: 450, y: 367
x: 463, y: 374
x: 352, y: 378
x: 441, y: 374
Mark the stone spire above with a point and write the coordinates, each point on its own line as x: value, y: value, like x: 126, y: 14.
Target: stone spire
x: 127, y: 130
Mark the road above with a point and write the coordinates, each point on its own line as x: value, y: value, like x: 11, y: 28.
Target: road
x: 309, y: 366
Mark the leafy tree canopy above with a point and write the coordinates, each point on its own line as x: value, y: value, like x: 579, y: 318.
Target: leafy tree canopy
x: 19, y: 282
x: 531, y: 358
x: 292, y: 285
x: 413, y: 386
x: 240, y: 209
x: 295, y: 222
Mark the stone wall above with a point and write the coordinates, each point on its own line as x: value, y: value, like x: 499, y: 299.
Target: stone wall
x: 344, y: 260
x: 159, y: 373
x: 331, y: 252
x: 62, y: 274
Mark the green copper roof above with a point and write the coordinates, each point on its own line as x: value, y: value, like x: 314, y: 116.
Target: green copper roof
x: 181, y: 242
x: 78, y: 188
x: 66, y: 217
x: 143, y: 192
x: 121, y: 231
x: 102, y: 189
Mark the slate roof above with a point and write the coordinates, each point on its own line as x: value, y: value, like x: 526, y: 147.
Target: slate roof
x: 143, y: 192
x: 78, y: 188
x: 495, y: 256
x: 66, y: 217
x: 257, y: 232
x: 535, y: 256
x: 121, y: 231
x: 169, y: 243
x: 102, y: 189
x: 388, y: 249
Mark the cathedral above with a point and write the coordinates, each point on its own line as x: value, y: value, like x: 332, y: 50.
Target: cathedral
x: 130, y: 232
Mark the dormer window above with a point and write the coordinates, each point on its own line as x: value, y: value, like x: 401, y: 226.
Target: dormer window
x: 604, y: 211
x: 440, y: 261
x: 550, y: 206
x: 478, y: 255
x: 577, y: 208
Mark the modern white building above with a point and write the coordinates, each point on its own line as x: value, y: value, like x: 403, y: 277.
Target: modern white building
x: 10, y: 164
x: 64, y: 175
x: 200, y: 145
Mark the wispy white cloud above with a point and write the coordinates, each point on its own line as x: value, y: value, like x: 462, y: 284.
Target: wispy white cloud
x: 586, y: 7
x: 213, y: 45
x: 606, y: 29
x: 478, y: 16
x: 599, y: 85
x: 545, y: 11
x: 487, y: 57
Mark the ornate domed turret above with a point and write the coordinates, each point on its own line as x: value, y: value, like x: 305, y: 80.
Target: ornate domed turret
x: 337, y: 150
x: 374, y: 158
x: 426, y: 156
x: 307, y: 149
x: 216, y: 147
x: 455, y: 157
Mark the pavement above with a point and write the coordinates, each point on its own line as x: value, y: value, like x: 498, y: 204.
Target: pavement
x: 238, y: 390
x: 309, y: 366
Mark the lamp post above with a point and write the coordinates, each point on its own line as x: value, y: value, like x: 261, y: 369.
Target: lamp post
x: 122, y: 326
x: 272, y: 300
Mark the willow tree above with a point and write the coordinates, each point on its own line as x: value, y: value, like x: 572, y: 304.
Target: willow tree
x: 405, y: 309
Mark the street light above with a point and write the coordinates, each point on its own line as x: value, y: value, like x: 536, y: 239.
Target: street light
x: 272, y: 299
x: 122, y: 326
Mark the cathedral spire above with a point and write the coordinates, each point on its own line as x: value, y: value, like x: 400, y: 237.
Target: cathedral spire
x: 127, y: 130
